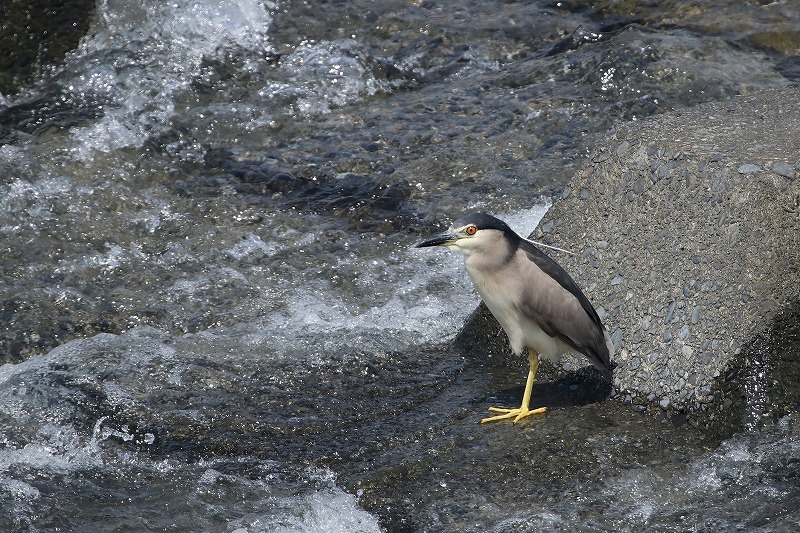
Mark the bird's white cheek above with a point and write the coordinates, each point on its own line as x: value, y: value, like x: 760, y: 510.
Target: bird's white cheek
x: 459, y: 246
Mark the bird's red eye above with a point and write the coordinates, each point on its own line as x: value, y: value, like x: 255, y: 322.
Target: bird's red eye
x: 471, y: 230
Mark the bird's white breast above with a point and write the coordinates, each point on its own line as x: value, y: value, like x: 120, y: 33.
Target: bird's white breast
x: 502, y: 295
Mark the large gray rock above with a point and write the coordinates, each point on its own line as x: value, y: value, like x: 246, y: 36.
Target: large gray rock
x: 686, y: 233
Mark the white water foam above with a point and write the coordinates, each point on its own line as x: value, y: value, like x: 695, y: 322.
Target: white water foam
x: 140, y: 66
x: 330, y: 73
x: 414, y: 297
x: 326, y: 510
x: 157, y: 50
x: 43, y: 444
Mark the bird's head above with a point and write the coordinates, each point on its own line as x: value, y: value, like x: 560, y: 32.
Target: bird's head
x: 477, y: 232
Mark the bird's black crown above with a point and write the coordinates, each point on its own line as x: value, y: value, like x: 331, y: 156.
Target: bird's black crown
x: 483, y: 221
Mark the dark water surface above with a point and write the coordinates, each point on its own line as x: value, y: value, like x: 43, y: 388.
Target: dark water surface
x: 212, y: 317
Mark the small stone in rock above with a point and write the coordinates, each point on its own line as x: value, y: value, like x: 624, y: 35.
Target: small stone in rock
x: 749, y: 168
x: 670, y: 312
x: 782, y: 169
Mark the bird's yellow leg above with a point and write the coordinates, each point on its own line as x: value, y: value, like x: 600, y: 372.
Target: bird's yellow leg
x: 524, y: 409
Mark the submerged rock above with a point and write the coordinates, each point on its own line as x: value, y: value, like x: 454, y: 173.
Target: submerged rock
x: 702, y: 236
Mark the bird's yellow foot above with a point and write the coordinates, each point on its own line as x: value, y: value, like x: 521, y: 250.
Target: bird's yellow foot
x: 516, y: 414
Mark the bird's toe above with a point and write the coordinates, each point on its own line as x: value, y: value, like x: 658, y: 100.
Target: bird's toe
x: 517, y: 414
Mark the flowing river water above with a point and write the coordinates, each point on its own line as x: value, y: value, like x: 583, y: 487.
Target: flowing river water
x: 212, y: 316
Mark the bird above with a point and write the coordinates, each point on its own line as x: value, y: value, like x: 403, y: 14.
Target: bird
x: 537, y: 303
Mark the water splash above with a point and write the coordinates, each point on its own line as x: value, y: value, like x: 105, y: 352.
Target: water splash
x: 330, y: 73
x: 140, y: 61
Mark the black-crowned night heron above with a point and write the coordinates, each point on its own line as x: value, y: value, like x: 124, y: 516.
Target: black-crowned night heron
x: 537, y: 303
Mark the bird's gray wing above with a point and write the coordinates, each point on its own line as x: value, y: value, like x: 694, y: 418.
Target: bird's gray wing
x: 561, y: 309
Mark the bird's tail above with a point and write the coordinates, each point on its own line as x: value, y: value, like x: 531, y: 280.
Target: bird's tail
x: 609, y: 352
x: 601, y: 352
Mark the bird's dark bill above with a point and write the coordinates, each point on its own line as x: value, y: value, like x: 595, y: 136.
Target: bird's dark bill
x: 441, y: 239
